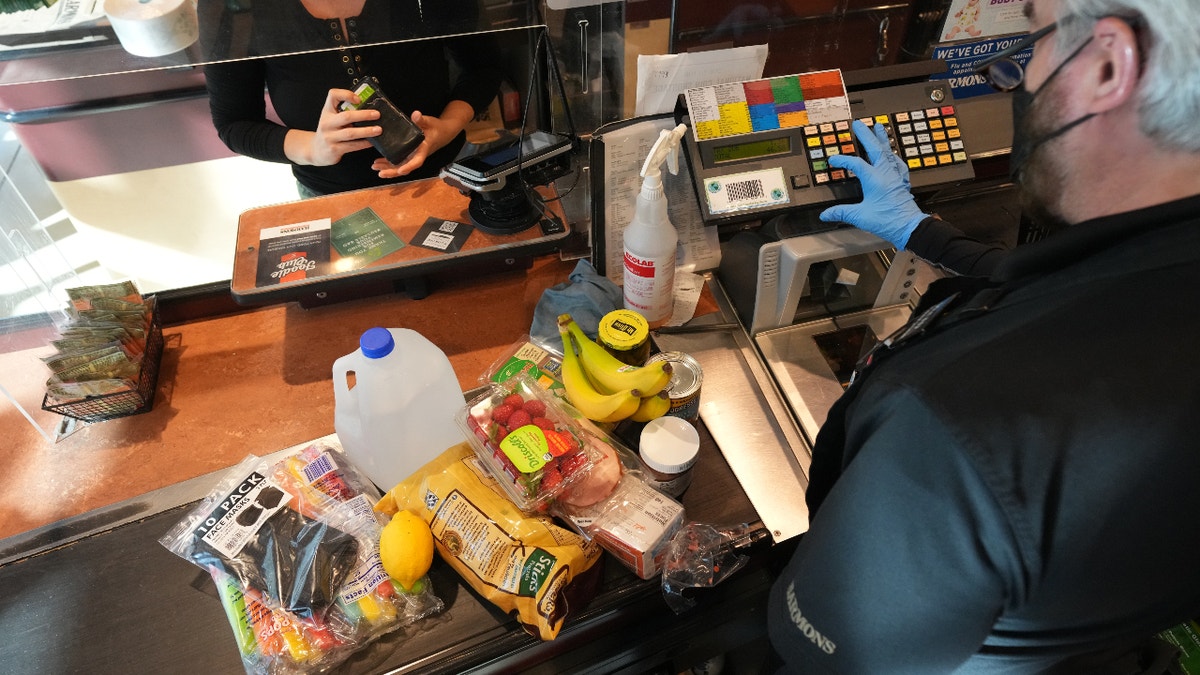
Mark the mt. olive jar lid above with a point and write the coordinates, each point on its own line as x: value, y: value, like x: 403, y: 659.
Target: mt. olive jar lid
x: 623, y: 330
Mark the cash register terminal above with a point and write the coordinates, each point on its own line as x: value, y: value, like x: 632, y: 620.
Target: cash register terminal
x: 761, y: 148
x: 814, y: 295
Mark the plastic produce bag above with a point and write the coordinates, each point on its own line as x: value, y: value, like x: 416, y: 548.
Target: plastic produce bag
x: 702, y: 556
x: 293, y: 548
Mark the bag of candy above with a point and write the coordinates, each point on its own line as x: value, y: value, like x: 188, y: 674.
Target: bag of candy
x: 292, y: 545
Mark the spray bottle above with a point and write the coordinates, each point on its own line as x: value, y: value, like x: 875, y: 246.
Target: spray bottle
x: 650, y: 239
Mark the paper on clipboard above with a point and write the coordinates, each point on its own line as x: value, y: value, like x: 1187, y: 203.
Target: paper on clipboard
x: 662, y: 78
x: 625, y: 150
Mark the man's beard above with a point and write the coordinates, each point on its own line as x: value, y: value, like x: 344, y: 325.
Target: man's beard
x: 1043, y: 174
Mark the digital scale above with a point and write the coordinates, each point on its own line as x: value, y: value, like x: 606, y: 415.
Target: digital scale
x: 760, y: 148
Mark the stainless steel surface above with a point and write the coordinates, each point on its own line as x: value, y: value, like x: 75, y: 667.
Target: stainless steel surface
x: 748, y: 418
x: 804, y: 376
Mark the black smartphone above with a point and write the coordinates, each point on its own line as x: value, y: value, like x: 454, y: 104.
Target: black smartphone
x: 400, y: 134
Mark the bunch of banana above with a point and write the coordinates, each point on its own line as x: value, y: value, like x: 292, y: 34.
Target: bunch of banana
x: 602, y: 387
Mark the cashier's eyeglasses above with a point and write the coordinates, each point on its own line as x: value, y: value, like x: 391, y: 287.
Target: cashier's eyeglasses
x: 1002, y: 71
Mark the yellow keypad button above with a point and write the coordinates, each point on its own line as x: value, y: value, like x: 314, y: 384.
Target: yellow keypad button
x: 951, y: 121
x: 844, y: 137
x: 941, y: 147
x: 813, y: 142
x: 914, y: 163
x: 954, y: 133
x: 935, y: 124
x: 938, y: 135
x: 882, y: 119
x: 931, y: 161
x: 945, y: 159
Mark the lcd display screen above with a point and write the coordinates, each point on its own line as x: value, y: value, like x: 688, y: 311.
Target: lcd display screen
x: 752, y: 149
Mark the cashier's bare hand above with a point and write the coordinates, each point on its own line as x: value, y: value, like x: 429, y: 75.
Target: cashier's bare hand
x: 437, y: 134
x: 335, y: 135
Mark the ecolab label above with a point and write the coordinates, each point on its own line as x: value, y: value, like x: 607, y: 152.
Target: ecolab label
x: 642, y: 267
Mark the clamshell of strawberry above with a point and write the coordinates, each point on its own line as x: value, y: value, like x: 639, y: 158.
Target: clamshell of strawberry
x: 529, y: 444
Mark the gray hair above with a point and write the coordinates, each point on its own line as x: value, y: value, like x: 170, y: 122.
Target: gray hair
x: 1169, y: 35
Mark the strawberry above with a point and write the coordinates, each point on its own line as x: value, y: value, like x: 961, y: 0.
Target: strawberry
x: 534, y: 407
x: 569, y: 464
x: 544, y: 422
x: 501, y: 432
x: 502, y: 412
x: 515, y: 400
x: 518, y: 419
x: 551, y: 479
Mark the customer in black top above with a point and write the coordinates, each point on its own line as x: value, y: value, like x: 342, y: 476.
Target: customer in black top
x: 1010, y: 486
x: 440, y: 82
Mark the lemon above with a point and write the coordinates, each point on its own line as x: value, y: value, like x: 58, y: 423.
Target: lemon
x: 406, y: 549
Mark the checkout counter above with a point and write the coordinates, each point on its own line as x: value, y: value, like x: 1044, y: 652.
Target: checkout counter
x: 96, y: 592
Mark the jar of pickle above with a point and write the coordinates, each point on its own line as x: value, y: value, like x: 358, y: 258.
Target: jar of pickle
x: 626, y: 335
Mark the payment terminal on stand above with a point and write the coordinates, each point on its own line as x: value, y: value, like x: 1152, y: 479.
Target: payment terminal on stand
x: 814, y: 296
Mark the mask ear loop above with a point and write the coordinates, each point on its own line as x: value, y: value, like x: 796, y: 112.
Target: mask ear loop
x: 1038, y: 142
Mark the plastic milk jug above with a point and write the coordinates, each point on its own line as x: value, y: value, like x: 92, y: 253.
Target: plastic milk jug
x: 399, y: 413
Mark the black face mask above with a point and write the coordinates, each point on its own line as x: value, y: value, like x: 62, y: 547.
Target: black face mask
x: 1024, y: 143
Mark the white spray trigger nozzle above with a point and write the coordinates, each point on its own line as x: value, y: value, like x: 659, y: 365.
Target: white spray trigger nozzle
x: 665, y: 148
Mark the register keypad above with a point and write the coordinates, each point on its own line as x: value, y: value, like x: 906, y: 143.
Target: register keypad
x: 924, y: 138
x: 822, y: 141
x: 929, y: 137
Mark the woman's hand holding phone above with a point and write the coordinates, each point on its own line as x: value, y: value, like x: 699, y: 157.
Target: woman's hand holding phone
x: 336, y: 134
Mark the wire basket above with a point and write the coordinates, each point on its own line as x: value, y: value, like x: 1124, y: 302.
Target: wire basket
x: 121, y: 403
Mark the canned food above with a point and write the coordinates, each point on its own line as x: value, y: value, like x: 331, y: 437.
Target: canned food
x: 626, y: 335
x: 684, y: 387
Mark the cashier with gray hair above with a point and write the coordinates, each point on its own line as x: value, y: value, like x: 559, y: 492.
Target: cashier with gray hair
x: 1010, y: 484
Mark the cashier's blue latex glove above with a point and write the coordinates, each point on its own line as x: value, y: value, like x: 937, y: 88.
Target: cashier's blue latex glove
x: 888, y: 209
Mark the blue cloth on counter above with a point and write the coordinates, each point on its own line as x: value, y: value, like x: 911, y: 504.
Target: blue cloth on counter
x: 587, y: 297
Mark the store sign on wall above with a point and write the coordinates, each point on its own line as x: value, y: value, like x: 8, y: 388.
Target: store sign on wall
x: 961, y: 59
x: 973, y: 31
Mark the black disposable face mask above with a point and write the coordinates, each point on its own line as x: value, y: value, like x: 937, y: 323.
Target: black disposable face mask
x: 1024, y: 144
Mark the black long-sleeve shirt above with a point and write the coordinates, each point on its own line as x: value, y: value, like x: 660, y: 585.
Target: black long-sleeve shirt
x: 419, y: 74
x: 941, y: 243
x: 1013, y: 489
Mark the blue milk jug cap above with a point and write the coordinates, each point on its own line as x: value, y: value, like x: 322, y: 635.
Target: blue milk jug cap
x: 376, y: 343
